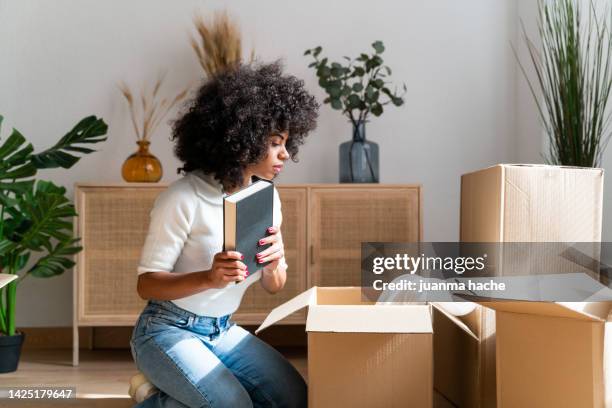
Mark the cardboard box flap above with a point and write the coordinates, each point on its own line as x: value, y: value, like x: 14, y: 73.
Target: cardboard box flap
x: 369, y: 319
x: 455, y: 320
x: 6, y: 278
x: 538, y: 165
x: 571, y: 310
x: 277, y: 314
x: 599, y: 311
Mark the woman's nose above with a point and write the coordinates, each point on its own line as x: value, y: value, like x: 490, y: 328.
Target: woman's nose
x: 284, y: 154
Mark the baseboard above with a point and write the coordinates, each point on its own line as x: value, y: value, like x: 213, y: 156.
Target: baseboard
x: 38, y: 338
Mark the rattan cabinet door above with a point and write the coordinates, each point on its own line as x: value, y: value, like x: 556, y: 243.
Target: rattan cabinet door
x: 257, y: 303
x: 343, y: 217
x: 113, y: 224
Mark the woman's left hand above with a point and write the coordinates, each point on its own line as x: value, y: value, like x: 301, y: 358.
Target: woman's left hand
x: 275, y: 252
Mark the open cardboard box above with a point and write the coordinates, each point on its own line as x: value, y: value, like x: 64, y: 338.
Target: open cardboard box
x: 553, y: 354
x: 361, y: 354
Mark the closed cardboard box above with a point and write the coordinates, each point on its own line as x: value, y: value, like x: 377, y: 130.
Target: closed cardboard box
x: 361, y: 354
x: 521, y: 203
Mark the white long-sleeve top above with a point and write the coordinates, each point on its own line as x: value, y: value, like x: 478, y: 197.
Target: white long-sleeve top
x: 186, y: 231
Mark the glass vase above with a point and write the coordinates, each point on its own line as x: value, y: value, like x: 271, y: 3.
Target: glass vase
x: 359, y: 158
x: 142, y: 166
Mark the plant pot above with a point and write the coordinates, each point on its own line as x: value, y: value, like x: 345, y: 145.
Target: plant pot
x: 10, y: 351
x: 359, y: 158
x: 142, y: 166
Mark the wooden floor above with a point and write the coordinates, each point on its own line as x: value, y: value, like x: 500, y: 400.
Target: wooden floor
x: 101, y: 379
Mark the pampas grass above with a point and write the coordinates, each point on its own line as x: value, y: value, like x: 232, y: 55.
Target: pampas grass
x: 219, y: 46
x: 147, y: 115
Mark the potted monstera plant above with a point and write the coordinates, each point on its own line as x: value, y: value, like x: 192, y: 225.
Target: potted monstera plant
x: 35, y: 218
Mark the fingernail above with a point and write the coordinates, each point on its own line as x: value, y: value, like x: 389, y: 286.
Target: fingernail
x: 259, y: 261
x: 247, y: 274
x: 270, y: 229
x: 261, y: 242
x: 241, y: 257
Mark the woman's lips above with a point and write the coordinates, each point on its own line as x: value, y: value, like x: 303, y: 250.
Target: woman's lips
x: 277, y: 169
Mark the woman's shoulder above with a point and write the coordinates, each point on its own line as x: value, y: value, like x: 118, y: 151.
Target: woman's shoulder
x: 180, y: 192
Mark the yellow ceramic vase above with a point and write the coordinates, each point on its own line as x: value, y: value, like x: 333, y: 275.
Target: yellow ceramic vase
x: 142, y: 166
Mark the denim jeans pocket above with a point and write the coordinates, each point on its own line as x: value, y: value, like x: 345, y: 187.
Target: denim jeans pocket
x: 165, y: 319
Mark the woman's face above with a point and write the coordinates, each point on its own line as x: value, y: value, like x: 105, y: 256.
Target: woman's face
x: 272, y: 164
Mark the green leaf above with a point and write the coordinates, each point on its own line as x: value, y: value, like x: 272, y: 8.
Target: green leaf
x: 378, y: 47
x: 357, y: 87
x: 334, y: 91
x: 323, y: 71
x: 40, y: 215
x: 346, y: 90
x: 88, y: 130
x: 358, y: 71
x: 397, y: 101
x: 317, y: 51
x: 388, y: 70
x: 354, y: 101
x: 336, y: 72
x: 307, y: 52
x: 377, y: 109
x: 378, y: 83
x: 57, y: 260
x: 336, y: 104
x: 312, y: 64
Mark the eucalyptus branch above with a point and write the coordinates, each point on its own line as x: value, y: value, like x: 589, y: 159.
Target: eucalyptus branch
x: 355, y: 89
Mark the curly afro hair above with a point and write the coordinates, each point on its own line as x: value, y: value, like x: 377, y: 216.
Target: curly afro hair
x: 228, y: 124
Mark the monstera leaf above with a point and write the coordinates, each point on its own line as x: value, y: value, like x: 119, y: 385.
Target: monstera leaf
x: 57, y: 260
x: 88, y: 130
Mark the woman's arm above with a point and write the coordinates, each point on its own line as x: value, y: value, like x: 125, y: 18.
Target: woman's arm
x: 170, y: 285
x: 227, y: 267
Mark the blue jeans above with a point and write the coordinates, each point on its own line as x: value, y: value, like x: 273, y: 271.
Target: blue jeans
x: 200, y: 361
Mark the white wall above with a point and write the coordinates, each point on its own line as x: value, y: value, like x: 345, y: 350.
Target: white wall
x: 61, y: 61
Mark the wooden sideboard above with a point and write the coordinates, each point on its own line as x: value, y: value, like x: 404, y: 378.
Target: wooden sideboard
x: 323, y: 227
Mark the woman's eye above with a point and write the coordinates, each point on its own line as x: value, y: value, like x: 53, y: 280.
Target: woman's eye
x: 275, y: 144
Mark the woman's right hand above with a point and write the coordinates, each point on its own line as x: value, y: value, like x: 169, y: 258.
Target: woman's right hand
x: 226, y: 267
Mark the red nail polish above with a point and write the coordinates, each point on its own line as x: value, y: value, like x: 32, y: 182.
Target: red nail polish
x: 241, y: 257
x: 247, y: 274
x: 270, y: 229
x: 259, y: 261
x: 260, y: 242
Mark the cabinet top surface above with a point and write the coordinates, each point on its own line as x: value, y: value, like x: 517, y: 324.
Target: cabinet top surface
x: 283, y: 185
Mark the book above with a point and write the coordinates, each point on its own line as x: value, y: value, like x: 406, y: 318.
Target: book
x: 247, y: 214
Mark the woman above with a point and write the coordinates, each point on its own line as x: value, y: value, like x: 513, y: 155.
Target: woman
x: 244, y: 123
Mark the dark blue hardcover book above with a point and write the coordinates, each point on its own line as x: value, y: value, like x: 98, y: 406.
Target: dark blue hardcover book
x: 247, y: 214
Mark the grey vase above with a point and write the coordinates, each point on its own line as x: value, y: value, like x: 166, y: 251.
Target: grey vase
x: 359, y: 158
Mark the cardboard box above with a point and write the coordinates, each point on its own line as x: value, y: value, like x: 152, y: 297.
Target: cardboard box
x: 552, y: 354
x: 361, y: 354
x: 523, y: 203
x: 457, y: 349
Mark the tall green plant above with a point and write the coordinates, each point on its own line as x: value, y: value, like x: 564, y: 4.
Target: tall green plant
x: 574, y: 78
x: 36, y: 215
